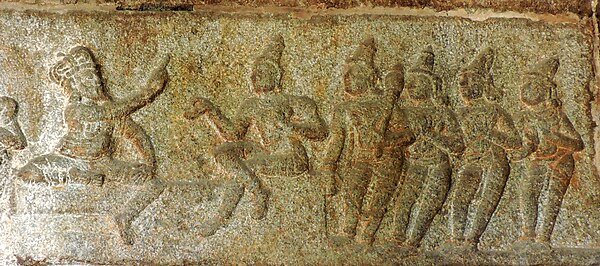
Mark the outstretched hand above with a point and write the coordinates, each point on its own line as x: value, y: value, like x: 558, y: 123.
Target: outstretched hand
x: 199, y: 107
x: 160, y: 75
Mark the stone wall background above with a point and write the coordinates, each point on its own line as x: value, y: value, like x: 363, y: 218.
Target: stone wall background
x: 211, y: 53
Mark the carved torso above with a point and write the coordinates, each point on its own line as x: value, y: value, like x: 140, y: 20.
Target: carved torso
x: 365, y: 138
x: 271, y: 119
x: 89, y: 134
x: 477, y: 121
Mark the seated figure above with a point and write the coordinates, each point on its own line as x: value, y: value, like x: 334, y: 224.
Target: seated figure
x: 280, y: 119
x: 96, y: 125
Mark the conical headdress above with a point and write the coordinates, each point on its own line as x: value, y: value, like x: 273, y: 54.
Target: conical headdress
x: 425, y: 61
x: 546, y: 68
x: 482, y: 64
x: 77, y: 59
x: 365, y: 53
x: 271, y: 55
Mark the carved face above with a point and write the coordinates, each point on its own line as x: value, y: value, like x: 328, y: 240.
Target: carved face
x: 419, y: 87
x: 358, y: 79
x: 395, y: 82
x: 265, y: 77
x: 87, y: 84
x: 471, y: 86
x: 534, y: 91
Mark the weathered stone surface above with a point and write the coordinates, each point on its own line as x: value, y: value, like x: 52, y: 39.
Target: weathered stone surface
x: 262, y: 138
x: 580, y: 7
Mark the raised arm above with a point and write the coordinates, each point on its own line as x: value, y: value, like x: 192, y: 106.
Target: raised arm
x: 530, y: 141
x: 337, y: 138
x: 229, y: 129
x: 565, y: 136
x: 306, y: 120
x: 504, y: 133
x: 155, y: 86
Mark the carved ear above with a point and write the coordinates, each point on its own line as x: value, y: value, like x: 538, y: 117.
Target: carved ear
x: 546, y: 68
x: 482, y: 64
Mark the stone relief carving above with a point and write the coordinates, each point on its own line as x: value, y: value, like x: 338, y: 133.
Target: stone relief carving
x: 362, y: 151
x: 281, y: 121
x: 11, y: 139
x: 382, y: 155
x: 488, y: 132
x: 96, y: 124
x: 549, y: 143
x: 428, y: 169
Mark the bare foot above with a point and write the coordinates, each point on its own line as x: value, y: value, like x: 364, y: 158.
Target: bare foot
x: 210, y: 227
x: 125, y: 230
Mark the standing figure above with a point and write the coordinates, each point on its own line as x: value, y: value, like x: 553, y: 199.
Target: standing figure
x: 488, y: 132
x: 427, y: 180
x: 11, y: 139
x: 366, y: 147
x: 96, y: 123
x: 281, y: 121
x: 550, y: 141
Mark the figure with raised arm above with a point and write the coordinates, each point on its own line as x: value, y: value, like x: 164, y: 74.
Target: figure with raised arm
x: 281, y: 121
x: 95, y: 124
x: 366, y: 147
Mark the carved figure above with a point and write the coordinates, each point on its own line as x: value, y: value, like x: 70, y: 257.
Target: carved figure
x: 11, y: 139
x: 488, y: 133
x: 96, y: 123
x: 550, y: 141
x: 427, y: 180
x: 281, y: 121
x: 366, y: 146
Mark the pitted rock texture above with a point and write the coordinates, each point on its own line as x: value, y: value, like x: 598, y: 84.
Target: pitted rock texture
x: 210, y: 137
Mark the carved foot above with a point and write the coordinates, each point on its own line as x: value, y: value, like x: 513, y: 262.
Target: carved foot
x: 260, y: 200
x: 210, y: 227
x: 340, y: 240
x: 86, y: 178
x: 125, y: 231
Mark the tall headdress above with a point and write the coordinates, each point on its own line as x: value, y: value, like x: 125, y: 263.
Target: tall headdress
x: 78, y: 58
x: 423, y: 65
x: 482, y: 66
x: 271, y: 55
x: 546, y: 70
x: 365, y: 53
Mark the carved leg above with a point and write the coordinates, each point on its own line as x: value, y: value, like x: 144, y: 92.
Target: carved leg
x: 138, y: 202
x: 354, y: 187
x: 462, y: 193
x: 529, y: 194
x: 407, y: 195
x: 51, y: 169
x: 558, y: 183
x: 431, y: 200
x: 229, y: 155
x: 231, y: 197
x: 384, y: 182
x: 494, y: 180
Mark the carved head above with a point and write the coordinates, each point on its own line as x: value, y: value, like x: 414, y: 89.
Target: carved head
x: 394, y: 80
x: 77, y: 72
x: 421, y: 83
x: 360, y: 75
x: 266, y: 71
x: 475, y: 80
x: 8, y: 110
x: 538, y: 84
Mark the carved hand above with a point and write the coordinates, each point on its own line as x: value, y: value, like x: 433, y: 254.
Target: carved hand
x: 199, y: 107
x: 332, y: 183
x: 159, y: 76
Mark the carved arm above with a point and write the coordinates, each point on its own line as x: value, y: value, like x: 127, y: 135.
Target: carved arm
x: 155, y: 86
